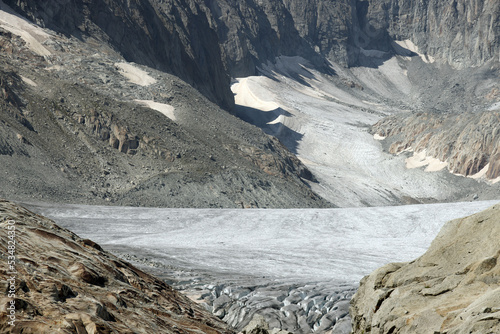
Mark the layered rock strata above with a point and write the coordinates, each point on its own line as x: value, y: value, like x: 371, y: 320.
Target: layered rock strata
x: 62, y: 283
x: 453, y: 288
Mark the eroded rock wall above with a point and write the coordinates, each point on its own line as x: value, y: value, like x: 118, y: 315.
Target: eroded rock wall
x: 468, y: 142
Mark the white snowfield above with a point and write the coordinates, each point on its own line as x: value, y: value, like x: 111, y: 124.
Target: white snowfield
x: 164, y: 108
x: 135, y: 74
x: 299, y: 245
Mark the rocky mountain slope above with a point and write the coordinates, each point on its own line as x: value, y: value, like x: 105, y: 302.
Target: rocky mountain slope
x: 467, y: 144
x: 66, y: 284
x: 449, y: 53
x: 173, y: 36
x: 81, y: 124
x: 453, y: 288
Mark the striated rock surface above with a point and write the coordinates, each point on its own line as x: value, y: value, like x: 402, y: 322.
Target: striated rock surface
x: 464, y: 33
x: 254, y: 33
x: 461, y: 33
x: 66, y: 284
x: 453, y: 288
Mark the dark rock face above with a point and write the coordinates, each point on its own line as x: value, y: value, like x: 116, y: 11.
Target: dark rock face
x: 173, y: 36
x: 253, y: 32
x: 463, y: 33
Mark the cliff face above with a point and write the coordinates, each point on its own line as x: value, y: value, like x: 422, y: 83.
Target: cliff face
x: 253, y: 32
x: 462, y: 33
x: 453, y: 288
x: 66, y: 284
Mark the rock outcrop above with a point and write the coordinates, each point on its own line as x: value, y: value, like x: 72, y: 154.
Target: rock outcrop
x: 468, y: 142
x: 174, y: 36
x: 453, y: 288
x: 59, y: 282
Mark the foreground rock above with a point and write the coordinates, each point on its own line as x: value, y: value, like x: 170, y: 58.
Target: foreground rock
x: 66, y: 284
x: 453, y: 288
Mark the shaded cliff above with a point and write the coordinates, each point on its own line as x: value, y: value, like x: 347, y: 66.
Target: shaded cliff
x: 174, y: 36
x: 453, y: 288
x: 254, y: 33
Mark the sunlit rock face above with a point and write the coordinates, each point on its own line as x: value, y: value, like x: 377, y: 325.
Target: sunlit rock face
x: 453, y: 288
x: 468, y: 144
x: 63, y: 282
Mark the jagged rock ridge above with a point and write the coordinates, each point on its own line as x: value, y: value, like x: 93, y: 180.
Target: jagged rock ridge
x: 70, y: 285
x: 453, y: 288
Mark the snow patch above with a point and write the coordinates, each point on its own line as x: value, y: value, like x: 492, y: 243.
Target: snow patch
x: 54, y: 68
x: 245, y: 97
x: 378, y: 137
x: 421, y: 159
x: 409, y: 45
x: 494, y: 106
x: 481, y: 173
x: 29, y: 81
x: 135, y: 75
x: 278, y: 119
x: 165, y: 109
